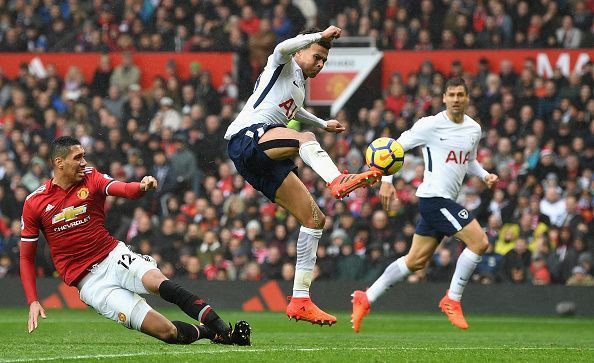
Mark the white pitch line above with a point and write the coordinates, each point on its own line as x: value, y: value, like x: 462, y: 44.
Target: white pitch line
x: 562, y: 321
x: 318, y: 349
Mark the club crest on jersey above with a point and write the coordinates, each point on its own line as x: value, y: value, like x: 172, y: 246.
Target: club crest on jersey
x: 68, y: 214
x: 82, y: 193
x: 122, y: 318
x: 463, y: 214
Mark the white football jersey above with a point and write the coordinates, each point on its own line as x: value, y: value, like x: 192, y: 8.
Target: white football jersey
x: 279, y: 91
x: 449, y: 149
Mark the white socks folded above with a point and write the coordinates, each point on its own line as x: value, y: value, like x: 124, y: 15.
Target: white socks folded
x: 397, y: 271
x: 464, y: 268
x: 307, y: 247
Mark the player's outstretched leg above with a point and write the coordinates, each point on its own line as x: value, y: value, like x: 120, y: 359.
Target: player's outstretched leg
x: 189, y: 333
x: 361, y: 309
x: 198, y: 309
x: 340, y: 184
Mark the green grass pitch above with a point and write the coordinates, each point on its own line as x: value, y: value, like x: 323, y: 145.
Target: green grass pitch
x: 86, y: 336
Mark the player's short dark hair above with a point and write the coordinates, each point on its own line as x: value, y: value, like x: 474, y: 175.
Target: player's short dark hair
x: 61, y: 146
x: 324, y: 43
x: 455, y: 82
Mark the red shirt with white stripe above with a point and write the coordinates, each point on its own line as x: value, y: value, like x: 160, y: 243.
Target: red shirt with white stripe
x: 72, y: 222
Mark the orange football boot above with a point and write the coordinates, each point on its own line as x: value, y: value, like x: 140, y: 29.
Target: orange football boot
x: 345, y: 183
x: 453, y: 310
x: 361, y: 308
x: 302, y: 308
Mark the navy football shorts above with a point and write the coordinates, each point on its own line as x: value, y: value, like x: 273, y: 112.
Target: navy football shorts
x: 441, y: 217
x: 263, y: 173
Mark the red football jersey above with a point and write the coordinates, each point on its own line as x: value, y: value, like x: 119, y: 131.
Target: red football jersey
x: 72, y: 222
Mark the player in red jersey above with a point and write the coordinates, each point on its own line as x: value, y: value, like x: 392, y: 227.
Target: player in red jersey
x: 69, y: 209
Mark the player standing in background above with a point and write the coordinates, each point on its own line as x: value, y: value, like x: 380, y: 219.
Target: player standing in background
x: 261, y: 147
x: 69, y: 209
x: 450, y: 140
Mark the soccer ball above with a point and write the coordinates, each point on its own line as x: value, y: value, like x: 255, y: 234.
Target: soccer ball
x: 386, y: 155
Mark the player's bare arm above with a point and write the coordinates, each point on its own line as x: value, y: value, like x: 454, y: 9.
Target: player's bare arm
x: 334, y: 126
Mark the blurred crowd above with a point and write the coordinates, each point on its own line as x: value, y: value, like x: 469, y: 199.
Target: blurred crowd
x: 205, y: 222
x: 167, y: 25
x: 252, y: 28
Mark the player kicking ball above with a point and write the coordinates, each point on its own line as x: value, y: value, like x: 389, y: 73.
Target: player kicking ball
x: 69, y: 209
x: 449, y: 140
x: 262, y: 148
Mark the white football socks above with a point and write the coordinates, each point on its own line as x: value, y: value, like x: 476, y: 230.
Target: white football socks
x: 464, y: 267
x: 313, y: 155
x: 397, y: 271
x: 307, y: 246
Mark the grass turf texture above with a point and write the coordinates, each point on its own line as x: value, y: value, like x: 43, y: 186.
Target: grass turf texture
x: 86, y: 336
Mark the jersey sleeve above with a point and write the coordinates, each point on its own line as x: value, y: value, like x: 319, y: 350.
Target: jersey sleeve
x: 29, y: 238
x: 474, y: 167
x: 99, y: 181
x: 29, y: 223
x: 306, y: 117
x: 125, y: 190
x: 417, y: 135
x: 284, y: 50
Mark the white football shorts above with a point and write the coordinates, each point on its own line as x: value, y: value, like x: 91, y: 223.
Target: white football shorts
x: 112, y: 287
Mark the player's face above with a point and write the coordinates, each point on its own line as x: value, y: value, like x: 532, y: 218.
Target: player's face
x: 312, y: 59
x: 73, y: 165
x: 456, y: 100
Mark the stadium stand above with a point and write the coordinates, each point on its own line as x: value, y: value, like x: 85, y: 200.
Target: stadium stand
x: 205, y: 222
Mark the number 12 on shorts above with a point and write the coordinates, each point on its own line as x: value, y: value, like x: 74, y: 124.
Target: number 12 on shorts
x: 126, y: 260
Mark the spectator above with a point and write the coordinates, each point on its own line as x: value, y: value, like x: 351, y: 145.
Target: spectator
x: 349, y: 265
x: 102, y: 76
x: 184, y: 165
x: 273, y: 265
x: 553, y: 206
x: 373, y: 265
x: 125, y: 74
x: 516, y: 261
x: 261, y: 45
x: 442, y: 268
x: 249, y: 22
x: 166, y: 117
x: 539, y: 271
x: 568, y: 36
x: 579, y: 277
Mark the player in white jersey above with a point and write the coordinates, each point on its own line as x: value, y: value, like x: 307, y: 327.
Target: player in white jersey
x: 449, y: 140
x: 261, y: 147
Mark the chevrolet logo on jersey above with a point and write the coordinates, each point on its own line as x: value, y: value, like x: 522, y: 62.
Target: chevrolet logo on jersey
x: 68, y: 214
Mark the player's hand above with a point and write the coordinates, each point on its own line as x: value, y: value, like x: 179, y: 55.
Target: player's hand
x: 35, y: 309
x: 387, y: 192
x: 334, y: 126
x: 491, y: 180
x: 148, y: 183
x: 331, y: 32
